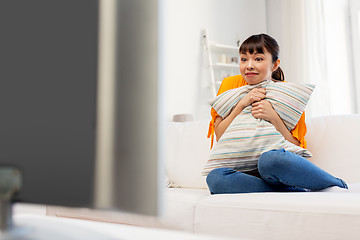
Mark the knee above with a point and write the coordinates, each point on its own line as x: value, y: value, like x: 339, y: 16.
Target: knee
x: 215, y: 178
x: 273, y: 159
x: 215, y: 175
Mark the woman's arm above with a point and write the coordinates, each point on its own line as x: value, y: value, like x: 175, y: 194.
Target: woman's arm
x: 221, y: 124
x: 264, y: 110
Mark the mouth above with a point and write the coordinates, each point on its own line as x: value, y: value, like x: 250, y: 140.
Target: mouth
x: 251, y: 74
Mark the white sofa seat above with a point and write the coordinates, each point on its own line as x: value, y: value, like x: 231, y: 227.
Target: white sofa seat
x: 280, y: 215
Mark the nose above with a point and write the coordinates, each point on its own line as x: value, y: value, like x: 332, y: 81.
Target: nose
x: 250, y: 65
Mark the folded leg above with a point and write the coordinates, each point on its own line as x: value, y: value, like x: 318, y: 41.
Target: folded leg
x: 280, y: 167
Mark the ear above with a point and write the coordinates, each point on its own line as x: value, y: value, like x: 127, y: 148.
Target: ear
x: 276, y: 64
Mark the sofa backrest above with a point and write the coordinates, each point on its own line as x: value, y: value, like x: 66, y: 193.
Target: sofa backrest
x: 333, y: 141
x: 187, y: 151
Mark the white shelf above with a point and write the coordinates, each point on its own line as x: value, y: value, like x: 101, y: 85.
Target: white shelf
x: 220, y: 61
x: 224, y: 48
x: 226, y: 65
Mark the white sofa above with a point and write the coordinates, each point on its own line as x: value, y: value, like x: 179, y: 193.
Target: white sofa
x: 334, y: 143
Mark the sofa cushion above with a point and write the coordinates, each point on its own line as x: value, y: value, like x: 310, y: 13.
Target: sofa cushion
x: 334, y: 143
x: 187, y: 150
x: 180, y: 207
x: 247, y: 138
x: 280, y: 215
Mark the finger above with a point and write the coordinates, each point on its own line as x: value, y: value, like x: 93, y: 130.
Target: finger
x: 260, y: 90
x: 263, y: 93
x: 255, y: 104
x: 260, y: 95
x: 254, y: 99
x: 259, y: 103
x: 256, y: 115
x: 256, y: 110
x: 266, y: 103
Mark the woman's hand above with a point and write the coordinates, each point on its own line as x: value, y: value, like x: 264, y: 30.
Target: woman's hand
x: 221, y: 125
x: 256, y: 94
x: 264, y: 110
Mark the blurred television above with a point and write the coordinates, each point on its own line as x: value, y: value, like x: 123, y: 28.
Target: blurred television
x: 79, y: 102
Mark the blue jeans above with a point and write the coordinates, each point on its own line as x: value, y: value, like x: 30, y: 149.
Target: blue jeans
x: 278, y: 171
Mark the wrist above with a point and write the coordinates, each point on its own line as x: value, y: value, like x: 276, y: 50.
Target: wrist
x: 277, y: 122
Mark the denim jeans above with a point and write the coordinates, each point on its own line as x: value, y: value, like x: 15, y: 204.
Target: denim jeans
x: 278, y: 171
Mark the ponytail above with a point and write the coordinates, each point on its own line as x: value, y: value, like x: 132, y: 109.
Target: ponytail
x: 278, y: 75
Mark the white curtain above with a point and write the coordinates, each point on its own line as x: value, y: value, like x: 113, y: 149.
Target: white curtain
x: 315, y: 43
x: 329, y: 57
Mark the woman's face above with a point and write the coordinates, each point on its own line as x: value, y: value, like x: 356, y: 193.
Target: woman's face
x: 256, y: 67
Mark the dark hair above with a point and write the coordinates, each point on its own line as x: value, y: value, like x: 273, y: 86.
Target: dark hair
x: 257, y: 43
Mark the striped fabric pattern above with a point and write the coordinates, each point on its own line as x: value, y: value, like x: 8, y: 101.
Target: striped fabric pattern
x: 289, y: 100
x: 225, y: 102
x: 247, y: 138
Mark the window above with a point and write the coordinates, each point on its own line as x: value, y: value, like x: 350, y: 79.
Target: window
x: 329, y: 57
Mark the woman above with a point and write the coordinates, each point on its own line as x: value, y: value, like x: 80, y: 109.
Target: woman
x: 278, y: 170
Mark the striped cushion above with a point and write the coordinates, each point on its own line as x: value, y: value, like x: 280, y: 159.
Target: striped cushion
x: 247, y: 138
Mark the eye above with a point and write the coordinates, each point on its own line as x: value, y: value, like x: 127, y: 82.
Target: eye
x: 259, y: 59
x: 243, y: 59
